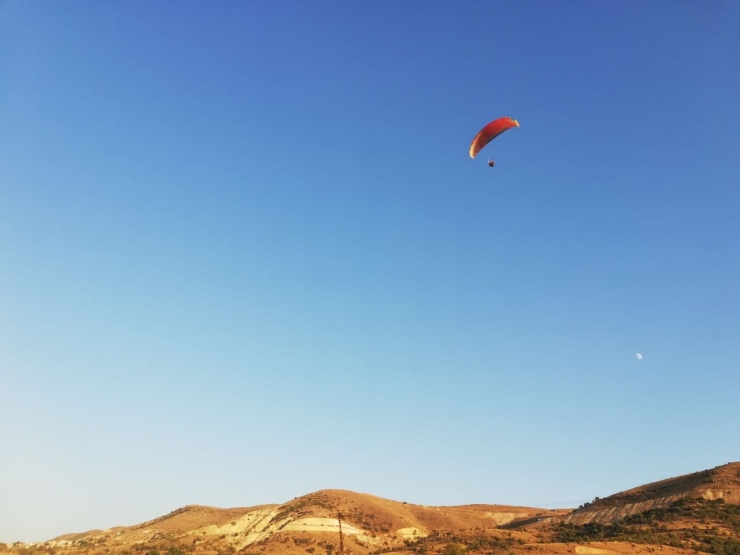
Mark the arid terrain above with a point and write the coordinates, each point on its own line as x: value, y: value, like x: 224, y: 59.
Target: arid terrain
x: 698, y: 512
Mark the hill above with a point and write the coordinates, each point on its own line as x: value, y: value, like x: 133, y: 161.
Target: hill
x: 699, y: 511
x: 722, y: 482
x: 369, y: 524
x: 695, y: 512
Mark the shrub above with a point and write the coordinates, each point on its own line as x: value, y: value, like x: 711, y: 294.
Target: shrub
x: 454, y: 548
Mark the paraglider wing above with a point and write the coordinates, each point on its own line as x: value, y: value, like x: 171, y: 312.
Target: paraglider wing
x: 490, y: 132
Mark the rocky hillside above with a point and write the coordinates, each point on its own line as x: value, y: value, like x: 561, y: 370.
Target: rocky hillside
x: 305, y: 524
x: 722, y: 482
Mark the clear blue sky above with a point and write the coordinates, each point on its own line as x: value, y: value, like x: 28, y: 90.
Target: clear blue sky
x: 244, y: 254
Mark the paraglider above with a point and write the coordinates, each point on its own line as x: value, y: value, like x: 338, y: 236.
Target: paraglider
x: 490, y: 132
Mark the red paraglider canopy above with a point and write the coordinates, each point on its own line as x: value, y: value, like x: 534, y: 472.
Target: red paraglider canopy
x: 490, y: 132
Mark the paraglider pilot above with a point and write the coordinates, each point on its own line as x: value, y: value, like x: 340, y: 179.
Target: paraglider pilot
x: 490, y: 132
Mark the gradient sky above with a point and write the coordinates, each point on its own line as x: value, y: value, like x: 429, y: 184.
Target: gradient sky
x: 244, y: 254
